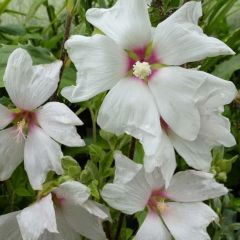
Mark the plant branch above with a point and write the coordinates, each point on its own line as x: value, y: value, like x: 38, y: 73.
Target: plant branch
x: 63, y: 52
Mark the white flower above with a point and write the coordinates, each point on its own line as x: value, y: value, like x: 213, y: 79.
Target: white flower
x: 63, y: 214
x: 138, y: 65
x: 176, y: 210
x: 31, y: 136
x: 214, y: 130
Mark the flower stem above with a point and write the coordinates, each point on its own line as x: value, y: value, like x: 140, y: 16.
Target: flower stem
x: 122, y: 216
x: 94, y: 126
x: 63, y: 53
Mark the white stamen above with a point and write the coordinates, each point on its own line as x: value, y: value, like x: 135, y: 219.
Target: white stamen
x: 20, y: 131
x: 142, y: 70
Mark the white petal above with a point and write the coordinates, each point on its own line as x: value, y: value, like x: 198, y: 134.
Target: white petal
x: 174, y: 89
x: 37, y: 218
x: 6, y: 116
x: 216, y: 129
x: 58, y: 121
x: 153, y: 229
x: 194, y: 186
x: 188, y: 221
x: 129, y: 108
x: 73, y: 192
x: 9, y: 228
x: 127, y: 23
x: 29, y: 86
x: 100, y: 65
x: 65, y: 230
x: 83, y: 222
x: 41, y: 154
x: 164, y: 158
x: 130, y: 197
x: 215, y: 92
x: 11, y: 152
x: 196, y: 153
x: 97, y: 210
x: 126, y: 169
x: 179, y: 39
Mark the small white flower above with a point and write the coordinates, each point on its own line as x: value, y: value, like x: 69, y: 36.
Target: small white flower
x: 63, y: 214
x: 138, y: 66
x: 175, y: 210
x: 31, y: 136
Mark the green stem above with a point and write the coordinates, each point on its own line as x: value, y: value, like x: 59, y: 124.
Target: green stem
x: 94, y: 125
x: 63, y: 53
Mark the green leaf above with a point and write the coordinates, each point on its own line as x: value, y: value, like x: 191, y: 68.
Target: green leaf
x: 71, y: 167
x: 226, y: 68
x: 12, y: 29
x: 33, y: 9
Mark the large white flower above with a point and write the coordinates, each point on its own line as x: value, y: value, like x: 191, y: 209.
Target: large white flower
x: 214, y: 130
x: 138, y: 65
x: 175, y: 210
x: 63, y: 214
x: 31, y: 136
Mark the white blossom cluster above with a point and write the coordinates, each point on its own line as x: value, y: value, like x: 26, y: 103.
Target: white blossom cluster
x: 151, y: 97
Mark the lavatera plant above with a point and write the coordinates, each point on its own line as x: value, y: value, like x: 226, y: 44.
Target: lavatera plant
x: 152, y: 97
x: 33, y: 128
x: 176, y: 210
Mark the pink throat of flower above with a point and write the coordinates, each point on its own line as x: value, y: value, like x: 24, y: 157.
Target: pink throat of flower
x: 156, y: 200
x: 25, y: 121
x: 141, y: 57
x: 58, y: 200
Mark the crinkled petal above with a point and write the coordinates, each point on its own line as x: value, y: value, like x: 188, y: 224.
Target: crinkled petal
x: 188, y: 221
x: 41, y: 155
x: 11, y: 152
x: 153, y: 229
x: 196, y: 153
x: 34, y: 220
x: 59, y: 122
x: 127, y: 23
x: 164, y: 158
x: 29, y: 86
x: 216, y: 130
x: 9, y: 228
x: 214, y: 92
x: 126, y: 169
x: 6, y: 116
x: 100, y: 65
x: 179, y: 39
x: 97, y: 209
x: 174, y: 90
x: 81, y: 221
x: 194, y: 186
x: 130, y: 197
x: 130, y: 108
x: 73, y: 192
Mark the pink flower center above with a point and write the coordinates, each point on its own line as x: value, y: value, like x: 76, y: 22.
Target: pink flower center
x: 141, y: 61
x: 58, y: 200
x: 156, y: 202
x: 25, y: 120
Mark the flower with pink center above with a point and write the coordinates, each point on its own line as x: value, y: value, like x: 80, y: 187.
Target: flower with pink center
x: 214, y: 130
x: 175, y: 210
x: 34, y: 131
x: 138, y: 64
x: 64, y: 214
